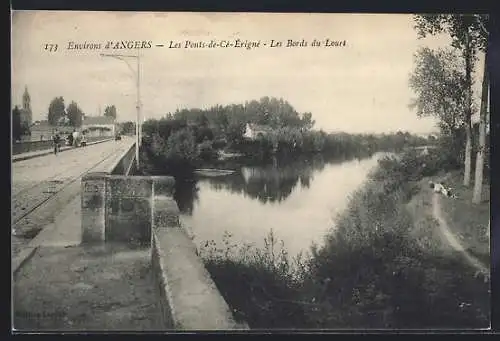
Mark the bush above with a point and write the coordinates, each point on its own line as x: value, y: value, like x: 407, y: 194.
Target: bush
x: 260, y: 285
x: 219, y: 143
x: 387, y: 283
x: 175, y: 156
x: 206, y: 151
x: 181, y: 146
x: 392, y: 283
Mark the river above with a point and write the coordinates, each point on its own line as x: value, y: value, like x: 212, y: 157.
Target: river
x: 298, y: 199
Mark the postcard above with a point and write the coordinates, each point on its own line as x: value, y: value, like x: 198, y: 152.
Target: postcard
x: 184, y: 171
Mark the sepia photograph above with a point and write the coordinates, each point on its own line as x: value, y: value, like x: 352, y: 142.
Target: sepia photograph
x: 209, y: 171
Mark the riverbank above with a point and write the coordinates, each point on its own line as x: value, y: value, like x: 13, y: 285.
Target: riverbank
x: 459, y: 225
x: 384, y: 264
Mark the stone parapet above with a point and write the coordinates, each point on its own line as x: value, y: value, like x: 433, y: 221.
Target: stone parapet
x: 188, y: 296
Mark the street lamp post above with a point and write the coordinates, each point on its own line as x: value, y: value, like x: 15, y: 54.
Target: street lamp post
x: 137, y: 73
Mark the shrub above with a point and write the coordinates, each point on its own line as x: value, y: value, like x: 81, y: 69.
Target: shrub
x: 175, y: 156
x: 206, y: 151
x: 181, y: 146
x: 260, y: 285
x: 219, y: 143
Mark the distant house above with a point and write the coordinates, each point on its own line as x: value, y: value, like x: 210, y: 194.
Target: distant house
x: 254, y: 131
x: 99, y: 126
x: 41, y: 130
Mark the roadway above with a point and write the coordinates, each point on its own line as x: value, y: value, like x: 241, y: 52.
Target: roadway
x: 42, y: 186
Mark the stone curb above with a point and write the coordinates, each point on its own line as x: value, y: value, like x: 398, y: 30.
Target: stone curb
x: 50, y: 151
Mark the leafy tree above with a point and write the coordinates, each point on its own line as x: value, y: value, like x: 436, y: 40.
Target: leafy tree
x: 307, y: 121
x: 178, y: 152
x: 63, y: 121
x: 235, y: 131
x: 202, y: 120
x: 203, y: 133
x: 25, y: 128
x: 484, y: 113
x: 466, y: 38
x: 56, y: 110
x: 110, y: 111
x: 16, y: 124
x: 74, y: 114
x: 128, y: 127
x: 439, y: 83
x: 181, y: 145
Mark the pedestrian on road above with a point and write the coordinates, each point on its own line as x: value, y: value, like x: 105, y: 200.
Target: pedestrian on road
x: 75, y: 138
x: 56, y: 138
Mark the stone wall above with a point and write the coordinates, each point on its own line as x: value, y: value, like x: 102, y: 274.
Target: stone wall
x: 117, y: 208
x: 128, y: 209
x: 31, y: 146
x: 125, y: 162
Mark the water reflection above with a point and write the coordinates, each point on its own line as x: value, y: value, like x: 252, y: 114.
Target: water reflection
x: 186, y: 194
x: 268, y: 182
x: 298, y: 199
x: 273, y: 181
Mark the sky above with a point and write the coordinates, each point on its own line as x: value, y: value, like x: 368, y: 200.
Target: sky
x: 359, y: 87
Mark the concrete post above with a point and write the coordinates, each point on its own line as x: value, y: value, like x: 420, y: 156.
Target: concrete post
x: 164, y: 185
x: 165, y: 211
x: 128, y: 209
x: 93, y: 207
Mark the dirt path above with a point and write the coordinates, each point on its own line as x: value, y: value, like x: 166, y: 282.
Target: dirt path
x: 452, y: 240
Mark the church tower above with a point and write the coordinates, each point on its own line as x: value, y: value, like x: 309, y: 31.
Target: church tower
x: 26, y: 115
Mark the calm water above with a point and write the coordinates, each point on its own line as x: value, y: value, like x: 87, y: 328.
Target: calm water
x: 298, y: 199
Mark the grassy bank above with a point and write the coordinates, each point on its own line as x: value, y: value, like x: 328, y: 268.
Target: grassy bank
x: 469, y: 223
x: 377, y: 268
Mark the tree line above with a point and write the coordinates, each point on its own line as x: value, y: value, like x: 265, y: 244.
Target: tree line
x: 443, y: 80
x: 19, y: 127
x: 285, y: 127
x: 126, y: 128
x: 58, y: 115
x: 190, y: 134
x: 72, y: 115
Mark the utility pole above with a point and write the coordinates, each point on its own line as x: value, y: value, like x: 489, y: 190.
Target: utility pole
x: 137, y: 73
x: 139, y: 116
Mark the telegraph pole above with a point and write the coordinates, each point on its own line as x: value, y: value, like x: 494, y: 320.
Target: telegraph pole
x: 139, y: 114
x: 137, y: 73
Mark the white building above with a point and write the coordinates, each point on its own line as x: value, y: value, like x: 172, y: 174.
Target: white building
x: 252, y: 131
x: 99, y: 126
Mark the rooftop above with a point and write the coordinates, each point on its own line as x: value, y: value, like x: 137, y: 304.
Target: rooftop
x: 41, y: 126
x: 89, y: 120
